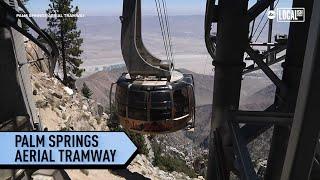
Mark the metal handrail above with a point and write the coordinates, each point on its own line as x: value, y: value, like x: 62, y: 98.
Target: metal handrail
x: 9, y: 18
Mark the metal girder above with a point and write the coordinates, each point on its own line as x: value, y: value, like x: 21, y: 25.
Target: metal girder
x: 249, y: 70
x: 228, y: 68
x: 263, y: 44
x: 275, y: 50
x: 260, y: 117
x: 9, y: 18
x: 298, y: 33
x: 265, y: 55
x: 258, y: 58
x: 211, y: 16
x: 252, y: 131
x: 244, y: 161
x: 258, y: 8
x: 270, y: 57
x: 315, y: 172
x: 306, y: 125
x: 16, y: 93
x: 284, y: 104
x: 218, y: 164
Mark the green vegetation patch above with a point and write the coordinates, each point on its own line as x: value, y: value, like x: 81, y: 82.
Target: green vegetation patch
x: 168, y: 163
x: 137, y: 139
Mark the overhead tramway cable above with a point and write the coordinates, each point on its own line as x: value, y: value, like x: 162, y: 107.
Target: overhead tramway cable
x: 264, y: 25
x: 164, y: 4
x: 162, y: 28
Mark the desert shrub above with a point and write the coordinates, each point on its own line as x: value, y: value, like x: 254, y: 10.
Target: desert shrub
x: 85, y: 172
x: 137, y: 139
x: 41, y: 104
x: 86, y: 91
x: 64, y: 129
x: 85, y: 116
x: 99, y: 120
x: 168, y: 163
x: 64, y: 116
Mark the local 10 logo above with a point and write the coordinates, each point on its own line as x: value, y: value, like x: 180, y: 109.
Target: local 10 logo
x: 288, y: 14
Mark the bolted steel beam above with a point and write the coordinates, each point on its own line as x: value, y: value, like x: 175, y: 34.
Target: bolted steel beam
x: 262, y: 118
x: 292, y: 67
x: 306, y: 125
x: 228, y: 68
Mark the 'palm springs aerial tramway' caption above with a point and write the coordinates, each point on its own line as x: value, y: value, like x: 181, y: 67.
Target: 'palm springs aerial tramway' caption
x: 87, y: 149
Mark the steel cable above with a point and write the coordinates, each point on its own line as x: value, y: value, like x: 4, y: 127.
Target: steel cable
x: 160, y: 18
x: 264, y: 23
x: 164, y: 4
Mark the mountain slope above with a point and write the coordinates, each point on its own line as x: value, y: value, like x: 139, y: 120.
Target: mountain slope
x: 256, y: 94
x: 100, y: 84
x: 63, y: 109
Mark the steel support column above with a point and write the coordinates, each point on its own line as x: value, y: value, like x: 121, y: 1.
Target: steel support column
x: 14, y: 73
x: 298, y: 34
x: 271, y: 56
x: 306, y: 125
x: 227, y: 83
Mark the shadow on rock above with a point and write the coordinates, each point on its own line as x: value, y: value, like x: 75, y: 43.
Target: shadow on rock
x: 125, y: 173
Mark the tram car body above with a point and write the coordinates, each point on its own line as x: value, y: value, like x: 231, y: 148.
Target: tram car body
x: 153, y: 106
x: 152, y: 97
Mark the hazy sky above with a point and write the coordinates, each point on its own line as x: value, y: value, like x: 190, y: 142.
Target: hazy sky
x: 114, y: 7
